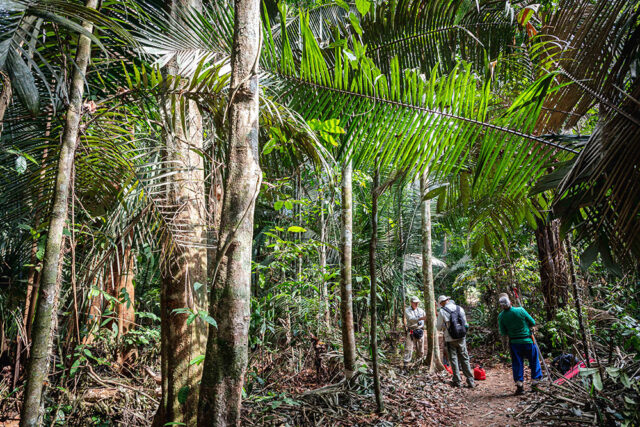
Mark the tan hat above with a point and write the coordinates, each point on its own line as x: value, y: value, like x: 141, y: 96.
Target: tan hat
x: 415, y: 299
x: 442, y: 298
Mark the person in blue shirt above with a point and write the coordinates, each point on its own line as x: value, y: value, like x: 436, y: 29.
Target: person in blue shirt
x: 516, y: 323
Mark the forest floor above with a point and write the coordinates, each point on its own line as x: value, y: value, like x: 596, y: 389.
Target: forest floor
x: 492, y: 402
x: 416, y: 398
x: 288, y: 395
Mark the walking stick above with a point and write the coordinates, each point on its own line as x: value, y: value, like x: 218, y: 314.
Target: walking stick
x: 533, y: 338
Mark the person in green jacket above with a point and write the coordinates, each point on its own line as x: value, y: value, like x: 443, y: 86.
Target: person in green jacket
x: 516, y: 323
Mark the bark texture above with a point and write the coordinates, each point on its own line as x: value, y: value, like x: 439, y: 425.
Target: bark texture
x: 185, y: 272
x: 346, y: 293
x: 38, y: 365
x: 554, y: 271
x: 5, y: 96
x: 432, y: 354
x: 125, y: 309
x: 226, y: 355
x: 373, y: 294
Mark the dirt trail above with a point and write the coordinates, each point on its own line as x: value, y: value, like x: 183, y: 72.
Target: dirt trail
x: 492, y: 402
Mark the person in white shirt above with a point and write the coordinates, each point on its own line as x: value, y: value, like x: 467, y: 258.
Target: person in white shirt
x: 456, y: 347
x: 415, y: 330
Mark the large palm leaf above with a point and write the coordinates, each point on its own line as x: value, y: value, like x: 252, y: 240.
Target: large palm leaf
x: 411, y: 120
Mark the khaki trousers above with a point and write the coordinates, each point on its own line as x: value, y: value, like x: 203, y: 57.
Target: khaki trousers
x: 410, y: 344
x: 458, y: 355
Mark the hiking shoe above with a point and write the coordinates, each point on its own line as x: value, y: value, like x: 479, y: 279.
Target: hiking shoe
x: 519, y: 390
x: 471, y: 385
x: 454, y: 384
x: 534, y: 385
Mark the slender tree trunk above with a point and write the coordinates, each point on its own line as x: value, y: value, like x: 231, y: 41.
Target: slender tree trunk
x: 94, y: 312
x: 125, y: 309
x: 554, y: 272
x: 323, y: 264
x: 400, y: 256
x: 26, y: 318
x: 576, y: 296
x: 432, y: 359
x: 373, y: 295
x: 33, y: 279
x: 227, y: 352
x: 346, y: 294
x: 5, y: 96
x: 297, y: 209
x: 185, y: 275
x: 48, y: 292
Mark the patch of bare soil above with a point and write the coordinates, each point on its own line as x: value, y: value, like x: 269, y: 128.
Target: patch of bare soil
x: 493, y: 403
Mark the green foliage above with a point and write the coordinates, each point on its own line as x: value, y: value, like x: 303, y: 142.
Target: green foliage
x: 561, y: 331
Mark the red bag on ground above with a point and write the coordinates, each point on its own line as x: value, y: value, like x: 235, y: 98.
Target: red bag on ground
x: 448, y: 368
x: 479, y: 373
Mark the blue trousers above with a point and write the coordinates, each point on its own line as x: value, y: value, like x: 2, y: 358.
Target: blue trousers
x: 520, y: 352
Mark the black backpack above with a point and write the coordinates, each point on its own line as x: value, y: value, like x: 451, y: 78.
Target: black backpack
x: 456, y: 326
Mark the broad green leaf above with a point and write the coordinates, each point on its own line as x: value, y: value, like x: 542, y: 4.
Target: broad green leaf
x: 191, y: 318
x: 197, y: 285
x: 597, y: 381
x: 624, y: 379
x: 75, y: 366
x: 363, y: 6
x: 205, y: 316
x: 24, y: 85
x: 183, y: 393
x: 278, y: 205
x: 355, y: 22
x: 296, y: 229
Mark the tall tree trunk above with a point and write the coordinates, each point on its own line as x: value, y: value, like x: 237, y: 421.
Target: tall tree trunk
x: 227, y: 352
x: 554, y: 271
x: 323, y: 264
x: 297, y: 213
x: 582, y: 320
x: 185, y: 274
x: 48, y: 292
x: 346, y: 294
x: 432, y: 359
x: 125, y: 309
x: 373, y: 294
x: 400, y: 256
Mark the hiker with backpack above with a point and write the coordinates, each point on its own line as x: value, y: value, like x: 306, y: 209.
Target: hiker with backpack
x: 516, y: 323
x: 453, y: 321
x: 415, y: 330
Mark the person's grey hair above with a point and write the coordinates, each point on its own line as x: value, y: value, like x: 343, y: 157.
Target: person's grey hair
x: 504, y: 302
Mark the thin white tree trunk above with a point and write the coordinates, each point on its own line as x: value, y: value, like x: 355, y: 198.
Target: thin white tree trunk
x: 346, y: 294
x: 432, y: 356
x: 38, y: 366
x: 323, y: 264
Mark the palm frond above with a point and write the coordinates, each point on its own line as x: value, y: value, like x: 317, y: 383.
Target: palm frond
x: 408, y: 119
x: 27, y: 39
x: 600, y: 196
